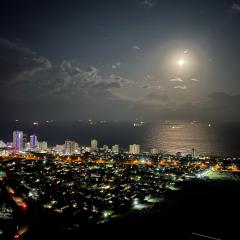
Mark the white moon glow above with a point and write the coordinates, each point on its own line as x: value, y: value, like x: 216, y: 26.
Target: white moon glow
x: 181, y: 62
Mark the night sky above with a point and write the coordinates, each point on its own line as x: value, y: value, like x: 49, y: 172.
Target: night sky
x: 120, y: 60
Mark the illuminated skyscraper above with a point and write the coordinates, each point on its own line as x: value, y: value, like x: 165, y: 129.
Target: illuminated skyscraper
x: 2, y: 144
x: 59, y: 149
x: 27, y: 146
x: 18, y: 141
x: 33, y: 141
x: 94, y: 145
x: 115, y: 148
x: 43, y: 146
x: 194, y: 153
x: 134, y: 149
x: 105, y: 147
x: 179, y: 154
x: 154, y: 151
x: 70, y: 147
x: 24, y: 139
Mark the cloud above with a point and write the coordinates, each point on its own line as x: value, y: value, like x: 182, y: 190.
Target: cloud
x: 155, y: 96
x: 182, y: 87
x: 149, y: 77
x: 151, y: 86
x: 176, y: 79
x: 149, y: 3
x: 75, y: 70
x: 119, y: 79
x: 74, y: 79
x: 221, y: 99
x: 236, y: 6
x: 116, y: 65
x: 14, y: 46
x: 217, y: 106
x: 194, y: 80
x: 136, y: 47
x: 19, y: 64
x: 107, y: 85
x: 38, y: 64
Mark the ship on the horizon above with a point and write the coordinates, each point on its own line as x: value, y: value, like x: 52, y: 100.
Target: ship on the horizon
x: 138, y: 124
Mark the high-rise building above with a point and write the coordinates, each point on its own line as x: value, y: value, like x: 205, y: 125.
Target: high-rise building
x: 43, y: 146
x: 27, y: 146
x: 59, y: 148
x: 2, y: 144
x: 70, y: 147
x: 33, y: 141
x: 115, y: 148
x: 10, y: 144
x: 194, y: 153
x: 134, y: 149
x: 179, y: 154
x: 105, y: 147
x: 24, y: 139
x: 94, y: 145
x: 18, y: 141
x: 154, y: 151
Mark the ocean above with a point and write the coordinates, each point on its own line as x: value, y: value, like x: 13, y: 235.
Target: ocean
x: 167, y: 136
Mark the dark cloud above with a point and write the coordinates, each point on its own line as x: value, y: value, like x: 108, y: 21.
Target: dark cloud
x: 236, y: 6
x: 156, y: 96
x: 224, y: 101
x: 119, y: 79
x: 5, y: 43
x: 101, y: 90
x: 153, y: 86
x: 218, y: 106
x: 106, y: 85
x: 149, y: 3
x: 19, y: 63
x: 9, y: 70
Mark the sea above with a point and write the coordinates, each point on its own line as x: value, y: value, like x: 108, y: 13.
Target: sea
x: 208, y: 138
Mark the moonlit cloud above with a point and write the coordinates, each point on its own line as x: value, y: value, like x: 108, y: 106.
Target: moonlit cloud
x: 119, y: 79
x: 41, y: 64
x: 116, y: 65
x: 151, y: 86
x: 149, y: 77
x: 136, y: 47
x: 176, y: 79
x: 194, y: 79
x: 182, y: 87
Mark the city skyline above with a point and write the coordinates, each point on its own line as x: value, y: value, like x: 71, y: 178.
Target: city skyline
x: 21, y: 145
x: 120, y: 60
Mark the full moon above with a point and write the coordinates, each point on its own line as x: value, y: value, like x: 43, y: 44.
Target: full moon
x: 181, y: 62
